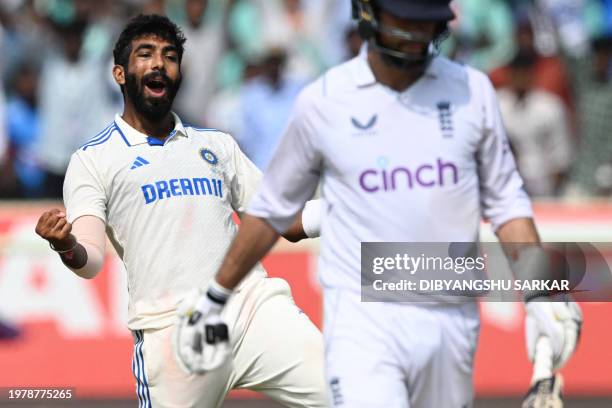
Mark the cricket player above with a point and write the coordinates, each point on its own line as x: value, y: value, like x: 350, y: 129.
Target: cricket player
x: 164, y: 193
x: 409, y: 146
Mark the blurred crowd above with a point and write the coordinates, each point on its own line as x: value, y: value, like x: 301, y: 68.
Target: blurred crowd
x: 246, y: 61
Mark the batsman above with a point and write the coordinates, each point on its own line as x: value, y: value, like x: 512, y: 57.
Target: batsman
x: 408, y: 146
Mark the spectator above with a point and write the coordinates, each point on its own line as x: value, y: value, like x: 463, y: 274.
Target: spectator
x: 25, y: 35
x: 204, y: 47
x: 606, y: 6
x: 593, y: 89
x: 569, y: 24
x: 266, y: 103
x: 102, y: 23
x: 225, y: 108
x: 537, y: 127
x: 74, y: 99
x: 483, y: 34
x: 548, y: 71
x: 336, y: 20
x: 153, y: 7
x: 3, y: 127
x: 296, y: 25
x: 7, y: 184
x: 24, y: 130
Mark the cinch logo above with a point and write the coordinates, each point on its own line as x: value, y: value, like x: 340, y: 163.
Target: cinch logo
x: 182, y: 187
x: 427, y: 175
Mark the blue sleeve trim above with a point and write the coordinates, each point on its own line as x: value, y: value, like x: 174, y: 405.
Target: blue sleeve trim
x: 100, y: 135
x: 101, y: 140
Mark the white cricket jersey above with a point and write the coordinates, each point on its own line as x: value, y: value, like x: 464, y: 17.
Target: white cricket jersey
x: 167, y: 205
x: 423, y: 165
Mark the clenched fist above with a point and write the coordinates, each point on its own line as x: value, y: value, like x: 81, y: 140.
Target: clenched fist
x: 55, y: 228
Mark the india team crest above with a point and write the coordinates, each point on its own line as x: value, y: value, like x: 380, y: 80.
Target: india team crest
x: 209, y: 156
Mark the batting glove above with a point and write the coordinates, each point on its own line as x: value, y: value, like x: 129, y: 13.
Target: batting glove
x: 201, y: 339
x: 560, y: 322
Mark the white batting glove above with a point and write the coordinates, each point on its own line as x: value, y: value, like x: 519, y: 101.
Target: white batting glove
x: 560, y: 322
x: 201, y: 339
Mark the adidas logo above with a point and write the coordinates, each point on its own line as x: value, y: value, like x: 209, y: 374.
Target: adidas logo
x: 139, y: 162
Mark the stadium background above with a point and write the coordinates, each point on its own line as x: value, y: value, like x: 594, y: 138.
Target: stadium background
x: 245, y: 62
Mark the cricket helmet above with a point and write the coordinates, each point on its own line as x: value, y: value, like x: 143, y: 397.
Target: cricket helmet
x: 438, y: 11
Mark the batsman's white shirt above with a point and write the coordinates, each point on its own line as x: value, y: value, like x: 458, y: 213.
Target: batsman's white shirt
x: 423, y: 165
x: 159, y: 201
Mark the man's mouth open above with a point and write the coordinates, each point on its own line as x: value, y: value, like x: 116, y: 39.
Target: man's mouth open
x: 156, y: 87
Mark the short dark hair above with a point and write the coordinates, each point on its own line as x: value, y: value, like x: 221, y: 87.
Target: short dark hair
x: 143, y: 25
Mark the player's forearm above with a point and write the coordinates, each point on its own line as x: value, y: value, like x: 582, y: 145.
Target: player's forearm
x: 296, y: 232
x: 88, y: 261
x: 518, y: 232
x: 88, y: 255
x: 307, y: 224
x: 254, y: 240
x: 75, y: 256
x: 528, y: 260
x: 516, y: 235
x: 82, y: 258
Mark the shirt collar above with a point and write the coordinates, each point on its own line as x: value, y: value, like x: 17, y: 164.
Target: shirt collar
x: 363, y: 76
x: 134, y: 137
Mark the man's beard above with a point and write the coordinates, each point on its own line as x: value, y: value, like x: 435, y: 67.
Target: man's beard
x: 410, y: 62
x: 153, y: 109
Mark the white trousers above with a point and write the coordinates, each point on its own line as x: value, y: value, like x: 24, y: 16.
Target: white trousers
x: 395, y: 355
x: 277, y: 351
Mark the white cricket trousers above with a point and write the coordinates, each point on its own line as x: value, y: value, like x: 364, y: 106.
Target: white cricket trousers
x: 392, y: 355
x: 277, y: 351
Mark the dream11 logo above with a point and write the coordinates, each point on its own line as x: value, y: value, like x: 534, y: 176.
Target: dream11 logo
x: 385, y: 178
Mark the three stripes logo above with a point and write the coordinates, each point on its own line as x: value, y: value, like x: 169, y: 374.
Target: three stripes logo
x: 446, y: 118
x: 139, y: 162
x: 101, y: 137
x: 138, y: 368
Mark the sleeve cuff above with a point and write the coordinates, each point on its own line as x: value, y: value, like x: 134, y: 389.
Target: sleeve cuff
x: 311, y: 218
x: 280, y: 224
x: 497, y: 222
